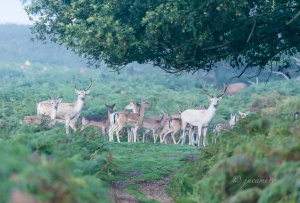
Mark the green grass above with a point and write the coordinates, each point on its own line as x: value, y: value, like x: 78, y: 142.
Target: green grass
x: 151, y: 161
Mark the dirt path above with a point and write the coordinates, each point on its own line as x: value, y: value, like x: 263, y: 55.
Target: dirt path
x: 154, y: 189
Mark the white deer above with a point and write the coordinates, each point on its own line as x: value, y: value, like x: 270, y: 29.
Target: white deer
x: 98, y: 121
x: 201, y: 118
x: 53, y: 104
x: 119, y: 120
x: 67, y: 112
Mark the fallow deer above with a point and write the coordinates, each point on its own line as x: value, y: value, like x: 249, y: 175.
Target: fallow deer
x: 67, y: 112
x: 119, y: 120
x: 235, y: 88
x: 40, y: 118
x: 175, y: 125
x: 173, y: 128
x: 201, y: 118
x: 135, y: 107
x: 166, y: 128
x: 98, y: 121
x: 156, y: 125
x: 233, y: 120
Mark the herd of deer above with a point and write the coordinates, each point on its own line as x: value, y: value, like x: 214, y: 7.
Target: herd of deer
x: 191, y: 121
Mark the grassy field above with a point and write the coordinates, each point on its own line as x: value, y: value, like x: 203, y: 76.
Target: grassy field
x: 43, y: 164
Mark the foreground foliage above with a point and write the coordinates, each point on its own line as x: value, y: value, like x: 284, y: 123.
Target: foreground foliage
x: 256, y: 162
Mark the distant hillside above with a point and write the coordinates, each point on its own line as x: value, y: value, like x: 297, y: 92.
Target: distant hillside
x: 15, y: 46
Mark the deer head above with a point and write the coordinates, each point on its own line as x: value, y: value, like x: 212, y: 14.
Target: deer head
x: 214, y: 100
x: 82, y: 93
x: 110, y: 109
x: 243, y: 115
x: 54, y: 103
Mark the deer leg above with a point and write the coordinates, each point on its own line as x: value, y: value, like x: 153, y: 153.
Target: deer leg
x: 204, y: 136
x: 117, y: 133
x: 191, y: 138
x: 163, y: 134
x: 72, y: 124
x: 183, y: 126
x: 67, y: 125
x: 135, y: 133
x: 82, y: 128
x: 199, y: 134
x: 111, y: 131
x: 173, y: 137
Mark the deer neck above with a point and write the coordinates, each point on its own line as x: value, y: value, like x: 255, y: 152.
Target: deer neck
x: 142, y: 111
x: 212, y: 110
x: 135, y: 110
x: 162, y: 120
x: 79, y: 104
x: 53, y: 113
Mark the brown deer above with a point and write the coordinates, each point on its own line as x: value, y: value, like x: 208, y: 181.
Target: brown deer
x: 201, y: 118
x: 235, y: 88
x: 166, y: 128
x: 67, y: 112
x: 119, y: 120
x: 98, y: 121
x: 156, y: 125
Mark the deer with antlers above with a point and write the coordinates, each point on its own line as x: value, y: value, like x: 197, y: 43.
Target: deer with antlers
x: 98, y: 121
x: 201, y: 118
x: 67, y: 112
x: 119, y: 120
x: 51, y: 115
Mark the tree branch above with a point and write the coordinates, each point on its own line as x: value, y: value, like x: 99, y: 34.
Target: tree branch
x: 296, y: 16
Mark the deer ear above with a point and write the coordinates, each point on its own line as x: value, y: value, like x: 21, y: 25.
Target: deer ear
x: 76, y: 90
x: 220, y: 98
x: 87, y: 91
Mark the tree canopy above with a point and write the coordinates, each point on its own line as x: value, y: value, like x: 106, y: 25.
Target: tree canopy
x: 177, y: 36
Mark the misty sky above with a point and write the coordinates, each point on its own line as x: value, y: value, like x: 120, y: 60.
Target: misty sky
x: 11, y: 11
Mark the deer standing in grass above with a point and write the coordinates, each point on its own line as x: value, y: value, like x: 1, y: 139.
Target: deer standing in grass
x: 52, y: 104
x: 176, y: 126
x: 98, y: 121
x: 151, y: 124
x: 201, y: 118
x: 135, y: 107
x: 119, y: 120
x: 157, y: 125
x: 67, y: 112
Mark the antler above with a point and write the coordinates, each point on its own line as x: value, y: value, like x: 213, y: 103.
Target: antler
x: 91, y: 82
x: 75, y: 84
x: 204, y: 89
x: 224, y: 90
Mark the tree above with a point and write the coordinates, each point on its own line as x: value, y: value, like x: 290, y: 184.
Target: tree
x: 175, y: 35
